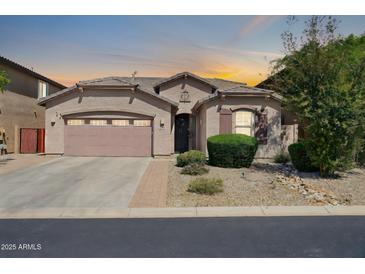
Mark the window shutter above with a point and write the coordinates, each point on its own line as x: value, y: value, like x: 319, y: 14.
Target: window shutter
x: 225, y: 121
x: 261, y: 128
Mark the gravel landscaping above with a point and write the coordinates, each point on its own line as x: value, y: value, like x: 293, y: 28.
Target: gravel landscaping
x: 266, y: 183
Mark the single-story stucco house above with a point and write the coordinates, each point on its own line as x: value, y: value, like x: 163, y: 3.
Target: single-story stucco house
x: 149, y: 116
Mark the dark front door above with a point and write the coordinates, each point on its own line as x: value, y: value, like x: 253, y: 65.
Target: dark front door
x: 181, y: 133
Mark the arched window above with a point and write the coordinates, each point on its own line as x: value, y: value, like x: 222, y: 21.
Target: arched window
x: 244, y: 122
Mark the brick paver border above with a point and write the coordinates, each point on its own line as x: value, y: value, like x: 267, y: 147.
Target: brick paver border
x: 152, y: 188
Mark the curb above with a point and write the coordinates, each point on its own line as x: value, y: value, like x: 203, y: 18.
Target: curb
x: 182, y: 212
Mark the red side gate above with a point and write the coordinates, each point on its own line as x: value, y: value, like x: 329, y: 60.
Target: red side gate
x: 32, y: 140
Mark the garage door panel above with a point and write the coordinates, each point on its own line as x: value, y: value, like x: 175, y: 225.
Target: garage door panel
x: 88, y: 140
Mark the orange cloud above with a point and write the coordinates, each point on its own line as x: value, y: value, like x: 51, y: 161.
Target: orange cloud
x: 257, y: 22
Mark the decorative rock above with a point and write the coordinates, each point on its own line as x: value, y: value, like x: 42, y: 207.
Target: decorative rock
x: 313, y: 194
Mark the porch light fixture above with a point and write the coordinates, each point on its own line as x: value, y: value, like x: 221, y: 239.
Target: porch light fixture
x: 162, y: 123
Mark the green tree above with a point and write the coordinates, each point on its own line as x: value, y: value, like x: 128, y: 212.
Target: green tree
x: 322, y: 78
x: 4, y: 80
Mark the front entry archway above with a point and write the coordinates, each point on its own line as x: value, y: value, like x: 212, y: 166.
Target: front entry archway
x: 181, y: 133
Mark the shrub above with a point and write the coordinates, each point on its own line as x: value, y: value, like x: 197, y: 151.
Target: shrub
x: 281, y: 158
x: 360, y: 158
x: 194, y: 169
x: 190, y: 157
x: 231, y: 150
x: 300, y: 158
x: 360, y: 152
x: 206, y: 186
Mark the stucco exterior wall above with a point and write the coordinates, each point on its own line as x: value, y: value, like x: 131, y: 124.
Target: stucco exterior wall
x: 272, y: 108
x: 23, y: 83
x: 122, y: 100
x: 18, y: 106
x: 289, y: 136
x: 196, y: 90
x: 202, y: 129
x: 18, y: 111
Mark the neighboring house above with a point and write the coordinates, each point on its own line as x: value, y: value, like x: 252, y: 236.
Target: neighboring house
x: 144, y: 116
x: 21, y: 118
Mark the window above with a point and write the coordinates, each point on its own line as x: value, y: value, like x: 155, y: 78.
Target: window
x: 244, y: 122
x: 98, y: 122
x: 120, y: 123
x: 75, y: 122
x: 142, y: 123
x: 42, y: 89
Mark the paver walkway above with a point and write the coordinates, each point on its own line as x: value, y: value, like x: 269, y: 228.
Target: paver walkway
x: 152, y: 189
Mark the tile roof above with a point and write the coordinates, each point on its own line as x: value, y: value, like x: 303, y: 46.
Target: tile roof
x: 30, y: 72
x: 184, y: 74
x: 239, y: 90
x: 148, y: 85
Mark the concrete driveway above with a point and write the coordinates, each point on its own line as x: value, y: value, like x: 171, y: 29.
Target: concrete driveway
x: 70, y: 183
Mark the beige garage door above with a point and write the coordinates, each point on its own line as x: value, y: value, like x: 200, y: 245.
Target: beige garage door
x: 98, y: 137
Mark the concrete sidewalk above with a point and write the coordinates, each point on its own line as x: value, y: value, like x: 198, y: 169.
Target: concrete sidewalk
x: 270, y: 211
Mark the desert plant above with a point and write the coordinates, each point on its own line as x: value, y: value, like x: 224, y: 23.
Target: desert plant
x: 206, y: 186
x: 4, y: 80
x: 194, y: 169
x: 231, y: 150
x: 322, y: 80
x: 300, y: 159
x: 281, y: 158
x: 190, y: 157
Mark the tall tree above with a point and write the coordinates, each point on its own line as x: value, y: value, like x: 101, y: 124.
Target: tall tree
x: 322, y: 78
x: 4, y: 80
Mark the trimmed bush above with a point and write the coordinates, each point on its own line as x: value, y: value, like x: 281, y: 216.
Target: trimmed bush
x: 281, y: 158
x: 206, y: 186
x: 190, y: 157
x: 194, y: 169
x: 300, y: 158
x: 231, y: 150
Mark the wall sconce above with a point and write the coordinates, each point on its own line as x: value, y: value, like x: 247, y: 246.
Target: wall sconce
x: 162, y: 123
x: 53, y: 122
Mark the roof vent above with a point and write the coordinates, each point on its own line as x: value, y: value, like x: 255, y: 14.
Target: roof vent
x: 134, y: 75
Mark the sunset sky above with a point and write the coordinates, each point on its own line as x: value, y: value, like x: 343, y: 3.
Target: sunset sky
x: 73, y: 48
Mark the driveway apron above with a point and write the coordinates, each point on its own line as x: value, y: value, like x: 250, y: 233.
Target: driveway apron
x: 73, y: 182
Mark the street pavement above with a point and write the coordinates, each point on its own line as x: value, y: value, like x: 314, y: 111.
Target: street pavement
x: 316, y: 236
